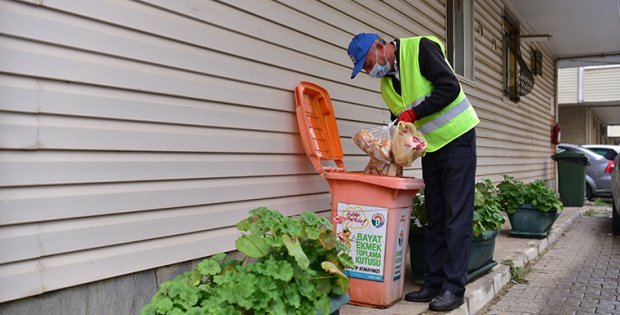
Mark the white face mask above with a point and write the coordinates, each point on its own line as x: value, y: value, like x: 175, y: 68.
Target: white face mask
x: 379, y: 71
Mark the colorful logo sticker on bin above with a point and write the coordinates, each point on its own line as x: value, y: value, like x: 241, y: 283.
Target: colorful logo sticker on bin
x: 400, y: 246
x: 363, y: 230
x: 378, y: 220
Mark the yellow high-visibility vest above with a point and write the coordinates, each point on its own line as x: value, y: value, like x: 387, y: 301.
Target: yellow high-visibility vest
x: 439, y: 128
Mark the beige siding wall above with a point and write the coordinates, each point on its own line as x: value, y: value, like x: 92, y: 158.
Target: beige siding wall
x: 601, y: 84
x: 513, y: 138
x: 136, y: 134
x: 568, y: 85
x: 573, y: 122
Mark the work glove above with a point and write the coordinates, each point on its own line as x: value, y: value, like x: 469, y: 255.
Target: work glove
x: 407, y: 115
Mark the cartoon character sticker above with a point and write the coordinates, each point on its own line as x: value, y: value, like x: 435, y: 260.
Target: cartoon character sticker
x: 345, y: 237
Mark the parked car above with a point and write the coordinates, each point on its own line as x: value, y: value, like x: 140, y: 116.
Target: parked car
x: 598, y: 172
x: 609, y: 151
x: 615, y: 192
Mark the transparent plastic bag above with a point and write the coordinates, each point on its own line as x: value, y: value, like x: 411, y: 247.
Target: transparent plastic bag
x: 408, y: 144
x: 377, y: 143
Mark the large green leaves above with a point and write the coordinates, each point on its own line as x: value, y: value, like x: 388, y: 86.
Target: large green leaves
x: 253, y: 245
x: 513, y: 194
x: 487, y: 208
x: 294, y: 249
x: 294, y: 264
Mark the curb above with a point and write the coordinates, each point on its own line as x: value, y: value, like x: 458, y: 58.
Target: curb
x: 486, y: 288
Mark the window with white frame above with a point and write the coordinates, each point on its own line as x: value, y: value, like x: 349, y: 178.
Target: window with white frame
x: 460, y: 42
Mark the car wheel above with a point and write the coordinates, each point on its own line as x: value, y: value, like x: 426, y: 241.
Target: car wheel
x: 589, y: 194
x: 615, y: 220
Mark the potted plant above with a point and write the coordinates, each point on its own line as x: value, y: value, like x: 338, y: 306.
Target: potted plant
x: 532, y: 208
x: 292, y: 265
x: 487, y: 221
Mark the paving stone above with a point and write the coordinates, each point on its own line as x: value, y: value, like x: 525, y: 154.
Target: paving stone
x: 577, y: 275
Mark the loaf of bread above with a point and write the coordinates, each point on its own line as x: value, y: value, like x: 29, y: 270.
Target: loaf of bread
x: 379, y: 150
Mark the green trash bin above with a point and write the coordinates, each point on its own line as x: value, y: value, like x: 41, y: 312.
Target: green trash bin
x: 572, y: 177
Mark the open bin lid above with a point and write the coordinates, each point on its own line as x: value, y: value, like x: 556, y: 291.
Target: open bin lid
x: 317, y: 126
x: 321, y: 140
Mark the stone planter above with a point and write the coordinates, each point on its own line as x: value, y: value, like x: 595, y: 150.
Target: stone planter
x: 529, y: 222
x: 481, y: 254
x: 480, y: 257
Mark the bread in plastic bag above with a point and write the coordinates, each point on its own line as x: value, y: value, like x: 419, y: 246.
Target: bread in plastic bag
x: 408, y: 144
x: 377, y: 143
x: 383, y: 168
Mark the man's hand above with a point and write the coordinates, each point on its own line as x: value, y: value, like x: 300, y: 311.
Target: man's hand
x: 407, y: 115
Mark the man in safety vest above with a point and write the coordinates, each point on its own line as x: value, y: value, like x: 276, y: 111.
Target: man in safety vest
x: 418, y: 85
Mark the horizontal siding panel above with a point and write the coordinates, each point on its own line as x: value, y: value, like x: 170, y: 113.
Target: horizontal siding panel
x: 495, y: 170
x: 377, y: 23
x: 428, y: 14
x: 57, y: 132
x: 573, y: 122
x: 509, y: 152
x: 601, y: 84
x: 18, y: 131
x: 85, y: 101
x: 50, y: 273
x: 52, y: 62
x: 24, y: 279
x: 31, y: 241
x: 59, y: 167
x: 52, y: 97
x: 19, y: 95
x: 568, y: 85
x: 35, y: 204
x: 18, y: 243
x: 256, y: 19
x: 411, y: 20
x: 286, y: 70
x: 525, y: 177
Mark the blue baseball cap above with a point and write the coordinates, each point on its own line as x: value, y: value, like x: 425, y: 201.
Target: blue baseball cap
x: 358, y: 48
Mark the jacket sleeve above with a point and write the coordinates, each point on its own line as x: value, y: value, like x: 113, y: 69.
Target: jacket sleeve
x: 435, y: 68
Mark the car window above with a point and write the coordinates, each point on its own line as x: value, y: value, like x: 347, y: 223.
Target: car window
x: 588, y: 152
x: 607, y: 153
x: 598, y: 151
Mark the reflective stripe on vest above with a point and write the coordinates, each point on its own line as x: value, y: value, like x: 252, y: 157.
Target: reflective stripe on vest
x: 445, y: 117
x: 417, y: 102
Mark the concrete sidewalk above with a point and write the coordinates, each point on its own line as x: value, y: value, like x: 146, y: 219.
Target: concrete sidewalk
x: 483, y: 289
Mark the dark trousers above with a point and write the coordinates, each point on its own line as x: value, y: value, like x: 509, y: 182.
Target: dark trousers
x: 449, y: 177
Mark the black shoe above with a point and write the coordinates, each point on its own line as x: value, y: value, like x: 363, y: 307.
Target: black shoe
x: 446, y: 301
x: 425, y: 294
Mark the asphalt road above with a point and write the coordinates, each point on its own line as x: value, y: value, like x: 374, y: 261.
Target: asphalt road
x: 579, y: 274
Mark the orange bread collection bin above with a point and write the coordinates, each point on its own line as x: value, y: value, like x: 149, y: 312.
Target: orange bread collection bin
x: 370, y: 213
